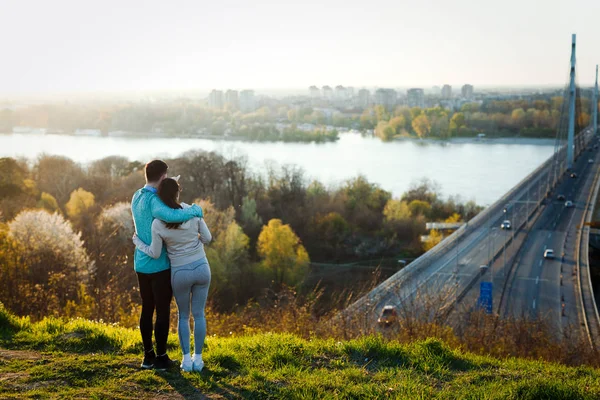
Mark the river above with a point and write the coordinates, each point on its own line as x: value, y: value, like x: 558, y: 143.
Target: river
x: 476, y: 170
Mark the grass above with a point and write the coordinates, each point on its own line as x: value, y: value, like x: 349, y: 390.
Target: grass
x: 83, y: 359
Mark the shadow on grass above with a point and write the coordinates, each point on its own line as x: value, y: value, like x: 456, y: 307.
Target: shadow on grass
x: 185, y: 387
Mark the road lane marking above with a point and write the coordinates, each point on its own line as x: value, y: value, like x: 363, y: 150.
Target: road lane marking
x: 537, y: 280
x: 534, y: 304
x: 549, y: 235
x: 531, y: 279
x: 541, y: 262
x: 545, y: 247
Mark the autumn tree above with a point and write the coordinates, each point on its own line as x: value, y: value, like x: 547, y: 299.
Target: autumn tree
x: 396, y: 210
x: 79, y: 203
x: 433, y: 239
x: 419, y: 207
x: 282, y: 253
x: 385, y: 131
x: 48, y: 202
x: 421, y: 126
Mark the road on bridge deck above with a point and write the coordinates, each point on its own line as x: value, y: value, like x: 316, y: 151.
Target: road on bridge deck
x: 534, y: 289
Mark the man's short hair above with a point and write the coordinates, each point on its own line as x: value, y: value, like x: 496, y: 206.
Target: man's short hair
x: 155, y: 169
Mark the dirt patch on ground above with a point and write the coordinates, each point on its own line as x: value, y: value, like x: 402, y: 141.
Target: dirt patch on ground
x: 46, y: 384
x: 13, y: 376
x: 19, y: 355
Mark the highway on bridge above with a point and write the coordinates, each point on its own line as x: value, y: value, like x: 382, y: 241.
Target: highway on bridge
x: 538, y: 287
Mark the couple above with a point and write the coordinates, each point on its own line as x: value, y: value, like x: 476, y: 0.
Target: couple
x: 182, y: 270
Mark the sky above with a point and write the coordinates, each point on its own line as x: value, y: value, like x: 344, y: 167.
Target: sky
x: 125, y: 45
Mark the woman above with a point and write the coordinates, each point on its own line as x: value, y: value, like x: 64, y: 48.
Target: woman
x: 190, y: 272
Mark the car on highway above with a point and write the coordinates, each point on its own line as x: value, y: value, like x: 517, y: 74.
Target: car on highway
x: 549, y: 253
x: 388, y: 316
x: 505, y: 224
x: 573, y: 175
x: 568, y: 204
x: 590, y: 161
x: 483, y: 268
x: 560, y: 197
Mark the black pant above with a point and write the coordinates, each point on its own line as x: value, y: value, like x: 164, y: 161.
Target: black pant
x: 156, y: 293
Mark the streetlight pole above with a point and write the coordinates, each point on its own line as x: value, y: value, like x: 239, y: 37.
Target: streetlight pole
x: 504, y: 251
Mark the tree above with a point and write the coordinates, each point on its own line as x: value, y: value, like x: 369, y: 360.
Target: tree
x: 228, y: 256
x: 79, y: 203
x: 329, y: 233
x: 110, y: 246
x: 396, y: 210
x: 458, y: 120
x: 419, y: 207
x: 454, y: 218
x: 384, y: 131
x: 282, y: 252
x: 46, y: 264
x: 517, y: 117
x: 440, y: 127
x: 398, y: 124
x: 421, y: 125
x: 58, y: 176
x: 434, y: 238
x: 251, y: 221
x: 364, y: 203
x: 381, y: 113
x: 48, y: 202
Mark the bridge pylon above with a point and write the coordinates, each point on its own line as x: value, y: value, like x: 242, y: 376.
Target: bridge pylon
x: 572, y: 95
x: 595, y: 106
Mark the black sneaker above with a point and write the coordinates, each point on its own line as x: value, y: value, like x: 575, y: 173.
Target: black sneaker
x: 163, y: 362
x: 149, y: 358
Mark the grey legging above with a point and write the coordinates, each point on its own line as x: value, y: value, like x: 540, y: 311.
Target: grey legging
x: 191, y: 279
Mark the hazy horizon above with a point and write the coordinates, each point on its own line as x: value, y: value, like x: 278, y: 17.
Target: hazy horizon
x: 67, y: 47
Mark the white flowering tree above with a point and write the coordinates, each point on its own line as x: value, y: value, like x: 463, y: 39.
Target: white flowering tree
x: 46, y: 262
x: 116, y: 222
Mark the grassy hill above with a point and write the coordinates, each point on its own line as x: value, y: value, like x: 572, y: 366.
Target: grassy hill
x: 84, y: 359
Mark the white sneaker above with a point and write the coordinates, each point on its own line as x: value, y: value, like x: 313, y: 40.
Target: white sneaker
x: 187, y: 365
x: 197, y: 362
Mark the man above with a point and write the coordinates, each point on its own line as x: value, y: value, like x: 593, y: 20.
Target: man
x: 154, y: 275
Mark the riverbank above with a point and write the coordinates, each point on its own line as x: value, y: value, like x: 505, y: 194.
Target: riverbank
x: 471, y: 140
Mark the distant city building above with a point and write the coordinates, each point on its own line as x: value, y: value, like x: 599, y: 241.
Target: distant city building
x: 386, y: 98
x: 364, y: 98
x: 315, y: 92
x: 415, y: 98
x: 231, y: 99
x: 350, y: 92
x: 247, y: 103
x: 467, y: 91
x: 436, y: 90
x: 215, y: 99
x: 327, y: 92
x: 340, y: 92
x: 447, y: 92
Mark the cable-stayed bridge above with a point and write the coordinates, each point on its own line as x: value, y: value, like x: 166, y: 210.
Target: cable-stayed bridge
x: 550, y: 209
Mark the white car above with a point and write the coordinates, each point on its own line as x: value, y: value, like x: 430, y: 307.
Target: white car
x: 568, y: 204
x: 549, y: 253
x: 590, y: 161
